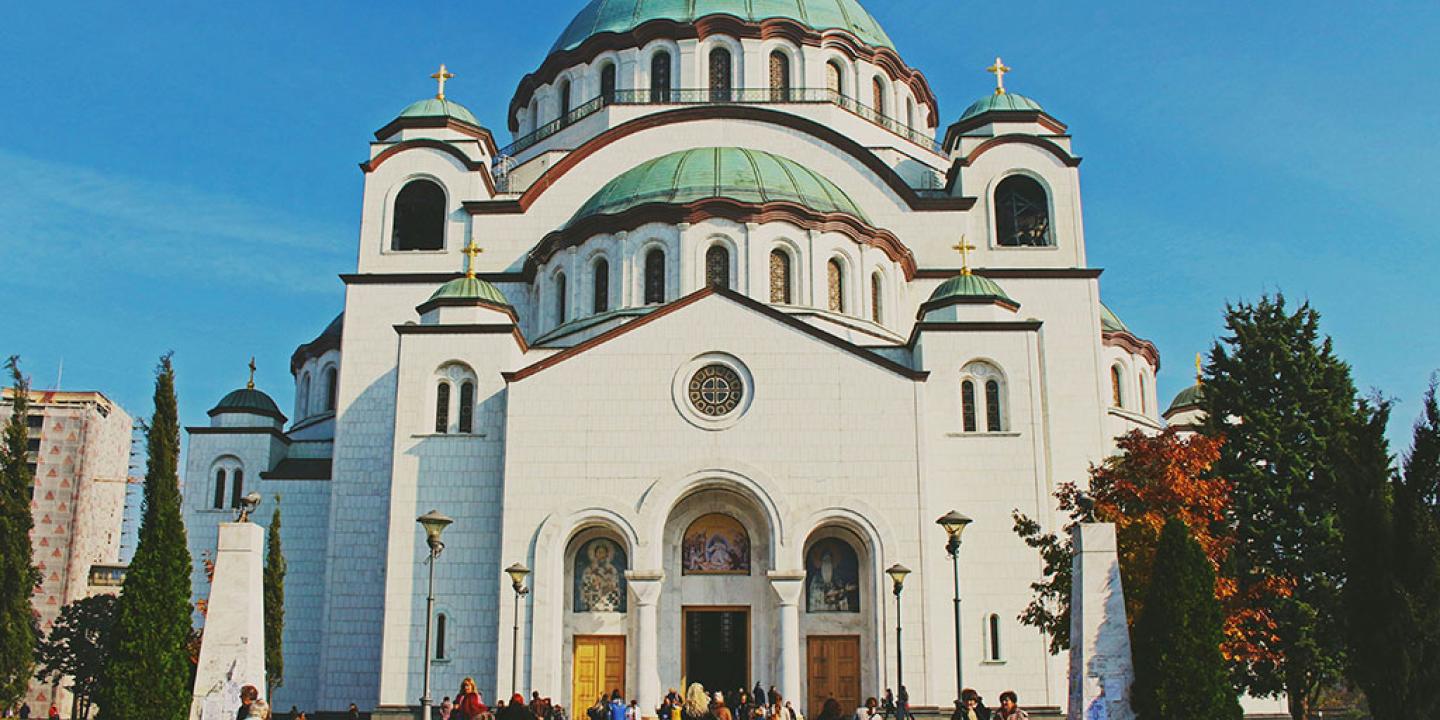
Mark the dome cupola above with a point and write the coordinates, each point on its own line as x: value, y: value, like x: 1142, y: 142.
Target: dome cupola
x: 467, y: 299
x: 246, y: 401
x: 968, y: 296
x: 620, y: 16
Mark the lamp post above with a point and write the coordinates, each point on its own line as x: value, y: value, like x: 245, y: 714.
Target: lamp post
x: 897, y: 573
x: 517, y: 573
x: 434, y: 524
x: 955, y: 524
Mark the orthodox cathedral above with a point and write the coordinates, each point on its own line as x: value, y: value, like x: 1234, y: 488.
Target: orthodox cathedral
x: 699, y: 358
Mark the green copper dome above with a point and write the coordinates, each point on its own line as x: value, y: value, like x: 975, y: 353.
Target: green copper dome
x: 470, y: 288
x: 436, y: 107
x: 247, y: 400
x: 1110, y: 322
x: 1189, y: 397
x: 1000, y: 102
x: 969, y: 285
x: 617, y: 16
x: 719, y: 172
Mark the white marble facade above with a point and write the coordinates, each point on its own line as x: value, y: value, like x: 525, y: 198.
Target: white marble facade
x: 853, y: 426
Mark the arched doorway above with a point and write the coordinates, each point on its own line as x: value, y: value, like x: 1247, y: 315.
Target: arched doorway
x: 839, y: 617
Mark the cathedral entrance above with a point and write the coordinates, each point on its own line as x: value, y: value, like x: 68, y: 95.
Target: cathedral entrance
x: 833, y: 671
x: 717, y: 647
x: 599, y: 669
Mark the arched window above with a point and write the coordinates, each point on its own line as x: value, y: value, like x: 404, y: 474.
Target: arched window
x: 779, y: 276
x: 992, y: 406
x: 607, y: 83
x: 330, y: 387
x: 1144, y: 395
x: 237, y: 487
x: 876, y: 289
x: 877, y: 95
x: 564, y: 91
x: 561, y: 295
x: 832, y: 79
x: 601, y: 286
x: 967, y: 404
x: 655, y: 277
x: 721, y: 81
x: 442, y: 407
x: 992, y: 639
x: 467, y: 407
x: 1022, y: 213
x: 303, y: 402
x: 419, y: 217
x: 1117, y: 397
x: 779, y: 76
x: 717, y: 267
x: 835, y: 284
x: 219, y: 503
x: 440, y: 623
x: 660, y: 77
x: 909, y: 113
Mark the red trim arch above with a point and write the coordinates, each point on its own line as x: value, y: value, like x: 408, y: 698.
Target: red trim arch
x: 374, y: 163
x: 1039, y: 142
x: 1131, y: 344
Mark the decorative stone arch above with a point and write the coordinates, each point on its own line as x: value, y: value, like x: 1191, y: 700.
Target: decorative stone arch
x: 792, y: 54
x: 850, y: 270
x: 846, y: 64
x: 646, y: 61
x: 455, y: 373
x: 981, y: 370
x: 597, y: 67
x: 1118, y: 391
x: 660, y: 500
x: 888, y: 294
x: 220, y: 488
x: 668, y: 243
x: 392, y: 195
x: 993, y: 218
x: 701, y: 261
x: 799, y: 279
x: 737, y: 60
x: 596, y: 250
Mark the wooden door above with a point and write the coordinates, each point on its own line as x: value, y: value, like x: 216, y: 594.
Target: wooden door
x: 598, y: 668
x: 834, y: 671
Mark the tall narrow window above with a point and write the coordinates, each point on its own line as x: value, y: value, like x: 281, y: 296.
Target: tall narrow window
x: 442, y: 407
x: 654, y: 277
x: 534, y: 113
x: 877, y: 95
x: 219, y: 503
x: 440, y: 628
x: 1022, y: 213
x: 607, y: 83
x: 303, y: 402
x: 876, y: 286
x: 560, y: 296
x: 992, y: 406
x: 779, y: 76
x: 720, y: 75
x: 467, y: 407
x: 779, y: 276
x: 419, y: 222
x: 1117, y: 398
x: 660, y: 77
x: 832, y: 79
x: 601, y: 286
x: 835, y: 285
x: 237, y: 487
x: 330, y: 387
x: 564, y: 102
x: 967, y: 404
x: 717, y: 267
x: 1144, y: 395
x: 992, y: 648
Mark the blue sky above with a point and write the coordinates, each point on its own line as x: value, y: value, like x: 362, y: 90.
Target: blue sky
x: 182, y: 175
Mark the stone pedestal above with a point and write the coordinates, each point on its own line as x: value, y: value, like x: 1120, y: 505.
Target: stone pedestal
x: 232, y: 653
x: 1101, y: 669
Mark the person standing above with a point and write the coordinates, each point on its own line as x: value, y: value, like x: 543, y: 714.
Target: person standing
x: 617, y: 706
x: 970, y: 707
x: 831, y: 710
x: 353, y: 713
x: 1010, y: 707
x: 758, y: 694
x: 515, y: 709
x: 446, y: 708
x: 248, y: 695
x: 721, y: 711
x: 468, y: 704
x: 24, y: 711
x: 887, y: 703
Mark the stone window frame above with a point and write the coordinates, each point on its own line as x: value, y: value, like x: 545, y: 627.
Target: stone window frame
x: 681, y: 383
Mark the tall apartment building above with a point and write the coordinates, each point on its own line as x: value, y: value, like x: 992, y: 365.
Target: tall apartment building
x: 80, y: 457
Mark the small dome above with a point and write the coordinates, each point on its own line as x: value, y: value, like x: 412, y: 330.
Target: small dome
x: 744, y: 175
x: 437, y: 107
x: 969, y: 285
x: 470, y: 288
x: 1110, y: 322
x: 1001, y: 102
x: 617, y: 16
x: 1188, y: 398
x: 248, y: 400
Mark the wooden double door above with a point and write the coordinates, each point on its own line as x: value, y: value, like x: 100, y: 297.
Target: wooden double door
x: 598, y: 668
x: 833, y: 663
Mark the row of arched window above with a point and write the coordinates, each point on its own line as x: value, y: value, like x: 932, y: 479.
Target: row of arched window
x: 229, y: 488
x: 1117, y: 389
x: 465, y: 408
x: 982, y: 397
x: 329, y: 378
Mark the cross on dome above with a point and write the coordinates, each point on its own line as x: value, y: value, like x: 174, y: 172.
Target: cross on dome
x: 964, y: 249
x: 1199, y: 369
x: 440, y: 77
x: 999, y: 69
x: 471, y: 251
x: 250, y: 385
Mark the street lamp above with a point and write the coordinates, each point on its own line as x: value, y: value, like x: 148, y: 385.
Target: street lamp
x: 434, y: 524
x: 517, y: 573
x: 897, y: 573
x: 955, y: 524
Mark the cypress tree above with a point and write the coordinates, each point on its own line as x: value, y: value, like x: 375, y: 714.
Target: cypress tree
x: 149, y: 670
x: 18, y: 576
x: 274, y: 605
x: 1180, y: 673
x: 1284, y: 403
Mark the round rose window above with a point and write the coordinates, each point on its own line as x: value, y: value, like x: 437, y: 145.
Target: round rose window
x: 715, y: 390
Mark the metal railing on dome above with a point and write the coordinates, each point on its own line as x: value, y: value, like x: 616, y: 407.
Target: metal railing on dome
x: 707, y: 96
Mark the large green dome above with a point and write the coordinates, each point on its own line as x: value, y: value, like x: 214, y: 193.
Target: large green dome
x: 617, y: 16
x: 739, y: 174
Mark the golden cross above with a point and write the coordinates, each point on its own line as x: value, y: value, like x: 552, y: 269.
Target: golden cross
x: 472, y: 251
x: 999, y: 69
x: 1199, y: 369
x: 251, y: 384
x: 441, y: 77
x: 964, y: 249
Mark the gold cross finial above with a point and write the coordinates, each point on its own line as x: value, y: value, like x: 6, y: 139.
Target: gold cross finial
x: 964, y: 249
x: 441, y: 77
x: 471, y: 251
x: 999, y: 69
x: 251, y: 384
x: 1199, y: 369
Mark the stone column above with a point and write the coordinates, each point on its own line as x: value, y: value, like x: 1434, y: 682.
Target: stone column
x: 1101, y: 669
x: 232, y: 653
x: 788, y: 587
x: 645, y: 591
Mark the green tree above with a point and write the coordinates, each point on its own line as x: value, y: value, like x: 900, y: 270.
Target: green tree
x: 1180, y: 673
x: 77, y: 648
x: 149, y: 672
x: 18, y: 576
x: 274, y: 605
x: 1284, y: 403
